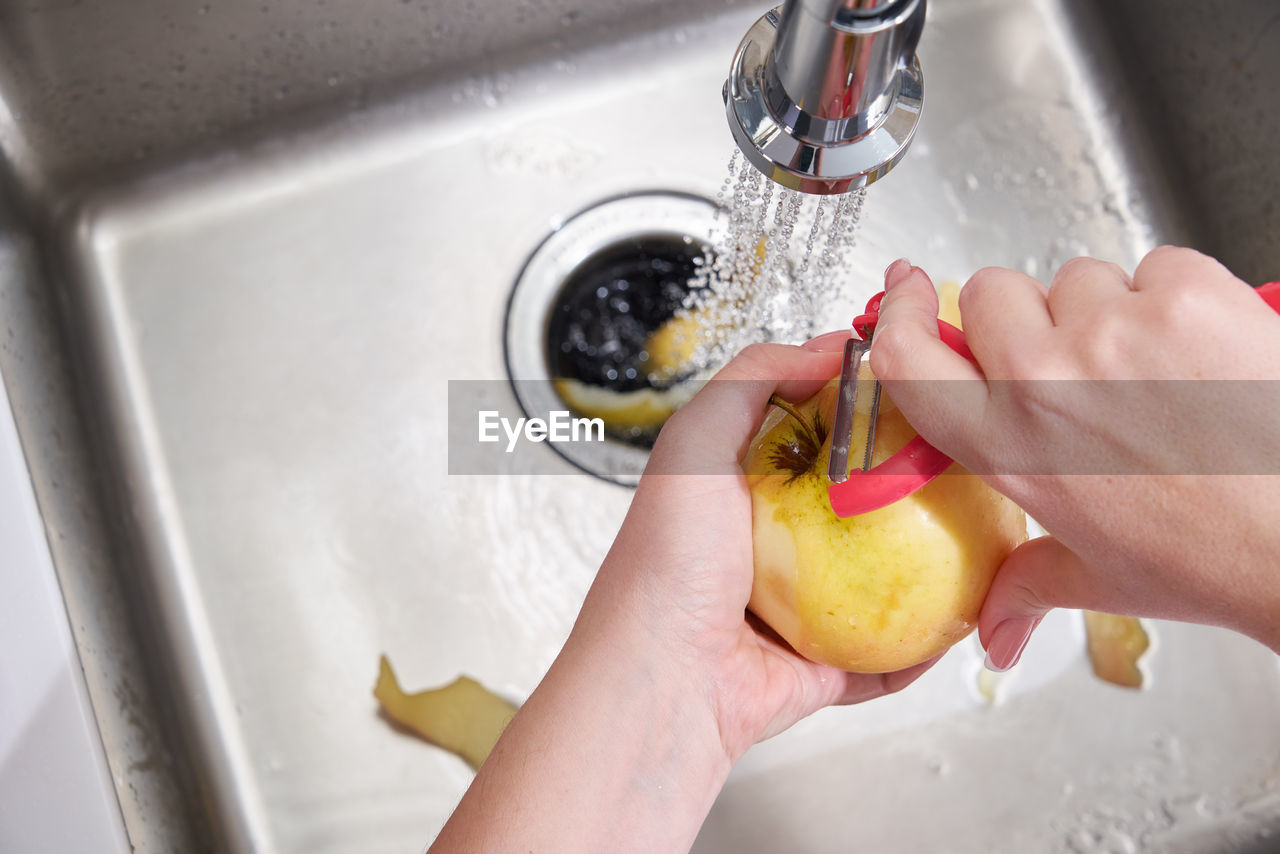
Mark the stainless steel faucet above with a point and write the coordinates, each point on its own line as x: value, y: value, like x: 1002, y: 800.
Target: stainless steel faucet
x: 824, y: 95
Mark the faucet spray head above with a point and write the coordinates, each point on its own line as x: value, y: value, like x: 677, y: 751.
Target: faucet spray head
x: 824, y: 95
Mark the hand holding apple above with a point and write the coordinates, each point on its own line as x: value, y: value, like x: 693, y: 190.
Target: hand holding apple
x: 664, y: 681
x: 683, y: 560
x: 877, y: 592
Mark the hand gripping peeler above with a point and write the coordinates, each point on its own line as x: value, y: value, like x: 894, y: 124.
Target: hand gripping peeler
x: 863, y: 489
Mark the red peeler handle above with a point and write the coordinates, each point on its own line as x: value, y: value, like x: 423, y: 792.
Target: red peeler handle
x: 910, y: 468
x: 1270, y: 293
x: 918, y: 462
x: 865, y: 323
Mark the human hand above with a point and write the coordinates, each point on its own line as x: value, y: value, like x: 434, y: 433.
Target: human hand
x: 1086, y: 407
x: 665, y: 680
x: 682, y: 563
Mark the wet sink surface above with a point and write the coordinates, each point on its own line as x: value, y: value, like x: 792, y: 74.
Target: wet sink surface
x: 265, y: 336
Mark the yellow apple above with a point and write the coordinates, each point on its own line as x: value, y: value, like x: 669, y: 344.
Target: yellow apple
x: 881, y: 591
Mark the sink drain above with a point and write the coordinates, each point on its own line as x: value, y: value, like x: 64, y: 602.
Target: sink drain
x: 581, y: 321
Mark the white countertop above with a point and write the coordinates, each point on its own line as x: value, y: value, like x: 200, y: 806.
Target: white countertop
x: 56, y: 793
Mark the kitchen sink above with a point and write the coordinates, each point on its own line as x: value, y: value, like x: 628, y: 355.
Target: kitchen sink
x: 246, y: 247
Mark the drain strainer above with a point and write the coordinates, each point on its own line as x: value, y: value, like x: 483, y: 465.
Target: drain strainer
x: 581, y: 317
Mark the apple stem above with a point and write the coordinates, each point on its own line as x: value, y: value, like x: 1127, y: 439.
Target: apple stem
x: 786, y: 407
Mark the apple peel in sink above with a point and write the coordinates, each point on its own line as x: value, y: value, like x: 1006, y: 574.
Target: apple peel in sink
x: 1116, y: 644
x: 463, y: 717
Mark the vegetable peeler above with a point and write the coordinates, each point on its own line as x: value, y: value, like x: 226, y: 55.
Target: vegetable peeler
x: 864, y: 489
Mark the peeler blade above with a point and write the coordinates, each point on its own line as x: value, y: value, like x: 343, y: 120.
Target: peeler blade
x: 846, y: 401
x: 872, y: 420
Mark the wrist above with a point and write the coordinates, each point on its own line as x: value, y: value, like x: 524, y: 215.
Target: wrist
x: 615, y: 751
x: 662, y: 683
x: 657, y: 747
x: 1256, y: 580
x: 1264, y: 626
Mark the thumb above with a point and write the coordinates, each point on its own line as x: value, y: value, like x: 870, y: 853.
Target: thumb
x: 1038, y: 576
x: 710, y: 433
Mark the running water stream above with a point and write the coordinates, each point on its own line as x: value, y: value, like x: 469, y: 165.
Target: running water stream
x: 779, y: 264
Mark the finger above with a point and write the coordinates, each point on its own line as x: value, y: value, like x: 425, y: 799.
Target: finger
x: 1006, y: 315
x: 1037, y: 577
x: 1084, y: 288
x: 942, y: 394
x: 860, y: 687
x: 828, y: 341
x: 906, y: 345
x: 1185, y: 293
x: 817, y: 686
x: 1172, y: 267
x: 710, y: 434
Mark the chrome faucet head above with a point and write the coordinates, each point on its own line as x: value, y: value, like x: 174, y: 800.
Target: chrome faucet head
x: 824, y: 95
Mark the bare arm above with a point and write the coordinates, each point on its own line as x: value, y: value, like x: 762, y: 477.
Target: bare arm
x: 663, y: 683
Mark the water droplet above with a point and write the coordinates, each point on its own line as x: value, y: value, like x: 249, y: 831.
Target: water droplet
x: 756, y: 287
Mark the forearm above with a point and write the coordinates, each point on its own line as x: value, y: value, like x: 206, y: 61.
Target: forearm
x: 614, y: 751
x: 1208, y: 539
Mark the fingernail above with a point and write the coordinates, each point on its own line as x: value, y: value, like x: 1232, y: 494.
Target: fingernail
x: 1007, y: 643
x: 827, y: 342
x: 896, y: 272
